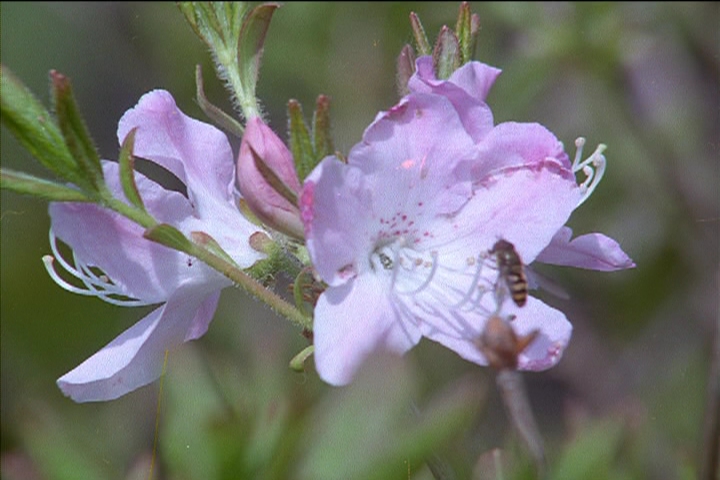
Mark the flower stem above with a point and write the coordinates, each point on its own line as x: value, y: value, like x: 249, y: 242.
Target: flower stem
x: 247, y: 283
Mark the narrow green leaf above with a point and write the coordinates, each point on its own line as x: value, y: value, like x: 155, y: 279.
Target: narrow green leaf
x: 322, y: 138
x: 214, y: 113
x: 127, y: 170
x: 298, y: 361
x: 205, y: 240
x: 250, y: 45
x: 29, y: 185
x: 169, y: 236
x: 446, y: 54
x: 74, y: 130
x: 35, y: 129
x: 300, y: 143
x: 421, y: 39
x: 463, y: 30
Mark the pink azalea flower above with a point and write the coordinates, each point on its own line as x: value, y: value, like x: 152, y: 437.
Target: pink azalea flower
x: 136, y: 271
x: 402, y: 232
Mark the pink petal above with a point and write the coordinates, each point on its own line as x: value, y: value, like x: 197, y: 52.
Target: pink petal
x: 466, y: 89
x: 459, y: 331
x: 270, y: 207
x: 514, y: 144
x: 593, y: 251
x: 352, y: 321
x: 136, y: 357
x: 196, y: 152
x: 143, y: 269
x: 525, y: 206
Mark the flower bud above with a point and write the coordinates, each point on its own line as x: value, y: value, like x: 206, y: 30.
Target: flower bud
x: 267, y: 178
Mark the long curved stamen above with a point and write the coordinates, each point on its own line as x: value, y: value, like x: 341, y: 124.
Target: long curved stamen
x: 593, y: 167
x: 474, y: 287
x: 425, y: 283
x: 95, y: 285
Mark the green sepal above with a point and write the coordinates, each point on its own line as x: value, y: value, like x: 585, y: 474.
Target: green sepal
x: 206, y: 241
x: 272, y: 179
x: 300, y: 143
x: 38, y: 187
x: 216, y: 23
x: 466, y: 29
x: 36, y: 130
x: 421, y: 39
x: 297, y: 363
x: 73, y: 128
x: 214, y: 113
x: 405, y: 69
x: 127, y: 170
x: 250, y: 45
x: 321, y: 136
x: 169, y: 236
x: 446, y: 54
x: 304, y: 282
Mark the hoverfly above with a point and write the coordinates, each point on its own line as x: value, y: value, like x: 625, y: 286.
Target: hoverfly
x: 511, y: 270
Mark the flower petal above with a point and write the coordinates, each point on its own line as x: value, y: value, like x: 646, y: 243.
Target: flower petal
x: 140, y: 268
x: 353, y: 320
x: 196, y: 152
x: 335, y: 234
x: 512, y: 144
x: 466, y: 89
x: 135, y: 358
x: 525, y: 206
x: 200, y: 156
x: 460, y: 331
x: 593, y: 251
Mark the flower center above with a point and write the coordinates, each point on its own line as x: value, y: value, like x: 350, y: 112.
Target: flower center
x: 429, y: 277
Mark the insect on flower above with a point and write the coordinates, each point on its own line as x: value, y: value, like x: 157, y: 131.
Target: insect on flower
x: 511, y: 270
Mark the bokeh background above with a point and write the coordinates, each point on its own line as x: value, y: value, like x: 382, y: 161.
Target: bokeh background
x: 628, y: 400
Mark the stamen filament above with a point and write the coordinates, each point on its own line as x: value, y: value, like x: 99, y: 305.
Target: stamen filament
x: 95, y: 285
x: 593, y: 167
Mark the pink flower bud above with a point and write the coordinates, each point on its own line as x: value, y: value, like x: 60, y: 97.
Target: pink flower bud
x: 267, y: 179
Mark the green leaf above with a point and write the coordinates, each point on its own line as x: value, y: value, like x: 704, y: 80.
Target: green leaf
x: 169, y: 236
x: 446, y: 54
x: 36, y: 130
x: 214, y: 113
x: 421, y: 39
x: 30, y: 185
x: 127, y: 171
x: 300, y: 143
x: 74, y: 130
x: 250, y: 45
x: 322, y: 138
x: 298, y: 361
x: 464, y: 32
x: 205, y: 240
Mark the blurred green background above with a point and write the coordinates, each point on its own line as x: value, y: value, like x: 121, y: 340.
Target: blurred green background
x: 627, y: 400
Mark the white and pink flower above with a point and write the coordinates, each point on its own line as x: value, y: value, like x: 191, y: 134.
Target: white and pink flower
x: 401, y: 232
